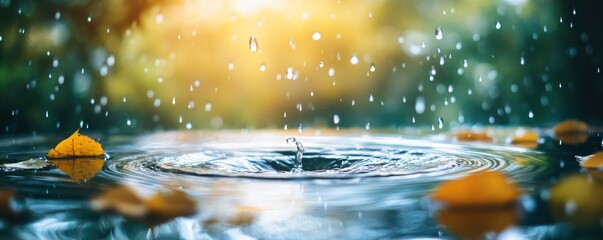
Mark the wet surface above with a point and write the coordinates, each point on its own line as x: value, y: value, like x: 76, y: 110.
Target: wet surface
x: 353, y: 186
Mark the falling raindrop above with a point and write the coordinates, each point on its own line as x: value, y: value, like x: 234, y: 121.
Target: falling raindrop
x: 354, y: 60
x: 291, y: 74
x: 371, y: 98
x: 253, y: 43
x: 438, y: 33
x: 440, y: 122
x: 159, y: 18
x: 497, y: 25
x: 522, y: 61
x: 531, y: 115
x: 442, y: 61
x: 262, y: 67
x: 231, y: 66
x: 336, y: 119
x: 316, y: 36
x: 372, y: 68
x: 331, y: 72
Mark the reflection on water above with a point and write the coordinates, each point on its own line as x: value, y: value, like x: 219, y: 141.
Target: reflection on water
x: 353, y: 187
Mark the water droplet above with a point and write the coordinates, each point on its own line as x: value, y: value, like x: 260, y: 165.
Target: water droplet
x: 160, y: 79
x: 438, y: 33
x: 262, y: 67
x: 291, y: 74
x: 128, y: 122
x: 420, y: 105
x: 371, y: 98
x: 331, y: 72
x: 522, y: 61
x: 57, y: 15
x: 253, y: 43
x: 400, y: 39
x: 297, y: 165
x: 442, y: 61
x: 316, y: 36
x: 157, y: 102
x: 189, y: 125
x: 531, y: 114
x: 372, y: 68
x: 231, y: 66
x: 208, y: 107
x: 440, y: 122
x: 336, y: 119
x: 367, y: 126
x: 159, y: 18
x: 111, y: 60
x: 497, y: 25
x: 354, y: 60
x: 89, y: 19
x: 300, y: 128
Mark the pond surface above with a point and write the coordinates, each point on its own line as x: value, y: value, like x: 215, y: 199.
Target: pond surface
x: 353, y: 185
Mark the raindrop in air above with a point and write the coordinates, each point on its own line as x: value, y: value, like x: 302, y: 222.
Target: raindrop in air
x: 372, y: 68
x: 522, y: 61
x: 331, y: 72
x: 440, y: 122
x: 336, y: 119
x: 262, y: 67
x: 498, y: 25
x: 531, y: 114
x: 253, y: 43
x: 316, y: 36
x: 354, y: 60
x: 438, y: 33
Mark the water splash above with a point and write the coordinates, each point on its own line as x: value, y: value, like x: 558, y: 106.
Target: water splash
x: 297, y: 166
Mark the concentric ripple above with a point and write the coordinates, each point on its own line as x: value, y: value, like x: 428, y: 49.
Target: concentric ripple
x: 268, y: 156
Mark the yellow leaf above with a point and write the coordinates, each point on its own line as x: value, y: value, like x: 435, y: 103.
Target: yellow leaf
x: 480, y: 189
x: 77, y: 145
x: 79, y: 169
x: 577, y: 199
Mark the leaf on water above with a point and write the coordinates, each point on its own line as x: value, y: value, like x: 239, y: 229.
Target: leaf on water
x: 79, y: 169
x: 577, y: 199
x: 528, y: 140
x: 476, y: 223
x: 77, y: 145
x: 163, y: 206
x: 468, y: 136
x: 593, y: 161
x: 571, y: 131
x: 481, y: 189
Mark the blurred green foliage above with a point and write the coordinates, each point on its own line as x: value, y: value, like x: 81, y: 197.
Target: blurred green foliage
x: 540, y: 66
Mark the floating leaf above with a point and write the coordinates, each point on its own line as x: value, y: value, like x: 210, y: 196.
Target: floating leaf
x: 77, y: 145
x: 528, y: 140
x: 593, y: 161
x: 571, y: 131
x: 577, y: 199
x: 477, y: 189
x: 476, y: 223
x: 79, y: 169
x: 468, y: 136
x: 155, y: 210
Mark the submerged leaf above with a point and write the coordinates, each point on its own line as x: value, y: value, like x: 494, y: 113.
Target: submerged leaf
x: 482, y: 189
x: 79, y: 169
x: 77, y: 145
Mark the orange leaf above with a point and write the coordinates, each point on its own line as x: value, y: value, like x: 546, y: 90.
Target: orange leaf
x: 593, y: 161
x: 571, y: 131
x: 468, y: 136
x: 480, y: 189
x: 529, y: 140
x: 79, y: 169
x: 77, y: 145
